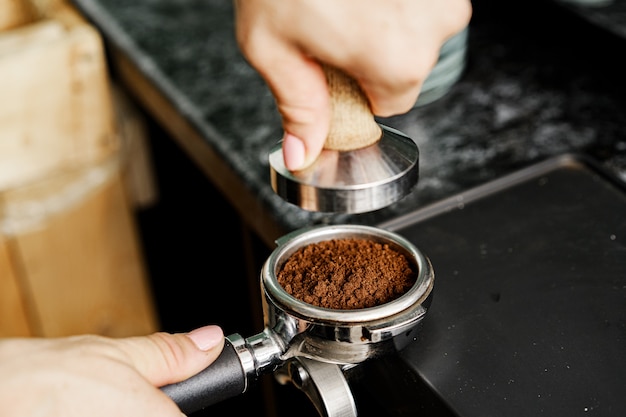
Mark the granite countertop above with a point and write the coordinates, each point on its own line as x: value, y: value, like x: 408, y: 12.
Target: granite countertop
x: 540, y: 80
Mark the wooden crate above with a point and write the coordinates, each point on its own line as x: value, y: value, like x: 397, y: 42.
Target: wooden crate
x: 56, y: 109
x: 15, y: 13
x: 70, y: 257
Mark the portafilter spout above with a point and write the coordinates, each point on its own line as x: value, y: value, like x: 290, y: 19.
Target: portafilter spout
x: 364, y: 165
x: 310, y: 345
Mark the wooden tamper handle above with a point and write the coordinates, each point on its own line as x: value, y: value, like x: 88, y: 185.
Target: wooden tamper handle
x: 352, y: 125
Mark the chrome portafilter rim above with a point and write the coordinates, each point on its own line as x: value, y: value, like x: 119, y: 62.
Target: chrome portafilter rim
x: 289, y: 243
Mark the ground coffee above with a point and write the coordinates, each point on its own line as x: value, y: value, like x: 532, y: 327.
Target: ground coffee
x: 347, y: 274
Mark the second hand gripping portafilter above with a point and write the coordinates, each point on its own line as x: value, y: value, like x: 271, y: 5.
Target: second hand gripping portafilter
x: 364, y: 166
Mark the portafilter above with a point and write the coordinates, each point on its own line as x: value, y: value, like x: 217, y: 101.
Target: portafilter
x: 312, y: 346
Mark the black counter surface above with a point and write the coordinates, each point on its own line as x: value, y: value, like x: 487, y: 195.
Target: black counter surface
x: 528, y: 315
x: 540, y: 80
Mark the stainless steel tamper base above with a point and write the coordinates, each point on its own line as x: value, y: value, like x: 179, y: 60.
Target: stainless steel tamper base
x: 356, y: 181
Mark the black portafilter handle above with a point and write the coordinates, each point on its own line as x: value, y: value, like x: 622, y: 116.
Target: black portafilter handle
x: 224, y: 378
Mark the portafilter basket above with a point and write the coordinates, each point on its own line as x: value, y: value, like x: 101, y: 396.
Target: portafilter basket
x: 307, y: 345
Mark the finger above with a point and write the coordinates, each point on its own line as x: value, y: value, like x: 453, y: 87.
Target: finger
x: 165, y: 358
x: 392, y: 88
x: 384, y: 102
x: 393, y: 81
x: 302, y: 98
x: 301, y: 92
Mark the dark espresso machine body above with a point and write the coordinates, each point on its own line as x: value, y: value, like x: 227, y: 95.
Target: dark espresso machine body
x: 529, y: 312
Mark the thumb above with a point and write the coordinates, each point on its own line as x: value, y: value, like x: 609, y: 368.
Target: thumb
x: 301, y: 92
x: 164, y: 358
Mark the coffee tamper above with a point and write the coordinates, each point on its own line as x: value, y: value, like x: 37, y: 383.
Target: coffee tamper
x: 312, y: 346
x: 364, y: 165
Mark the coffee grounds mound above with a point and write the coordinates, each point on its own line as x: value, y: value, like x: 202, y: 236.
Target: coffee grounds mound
x: 347, y: 274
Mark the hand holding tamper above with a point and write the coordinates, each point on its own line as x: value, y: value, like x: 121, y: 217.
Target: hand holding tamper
x: 364, y: 165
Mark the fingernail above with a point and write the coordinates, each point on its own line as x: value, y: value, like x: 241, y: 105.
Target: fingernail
x: 206, y: 337
x: 293, y: 152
